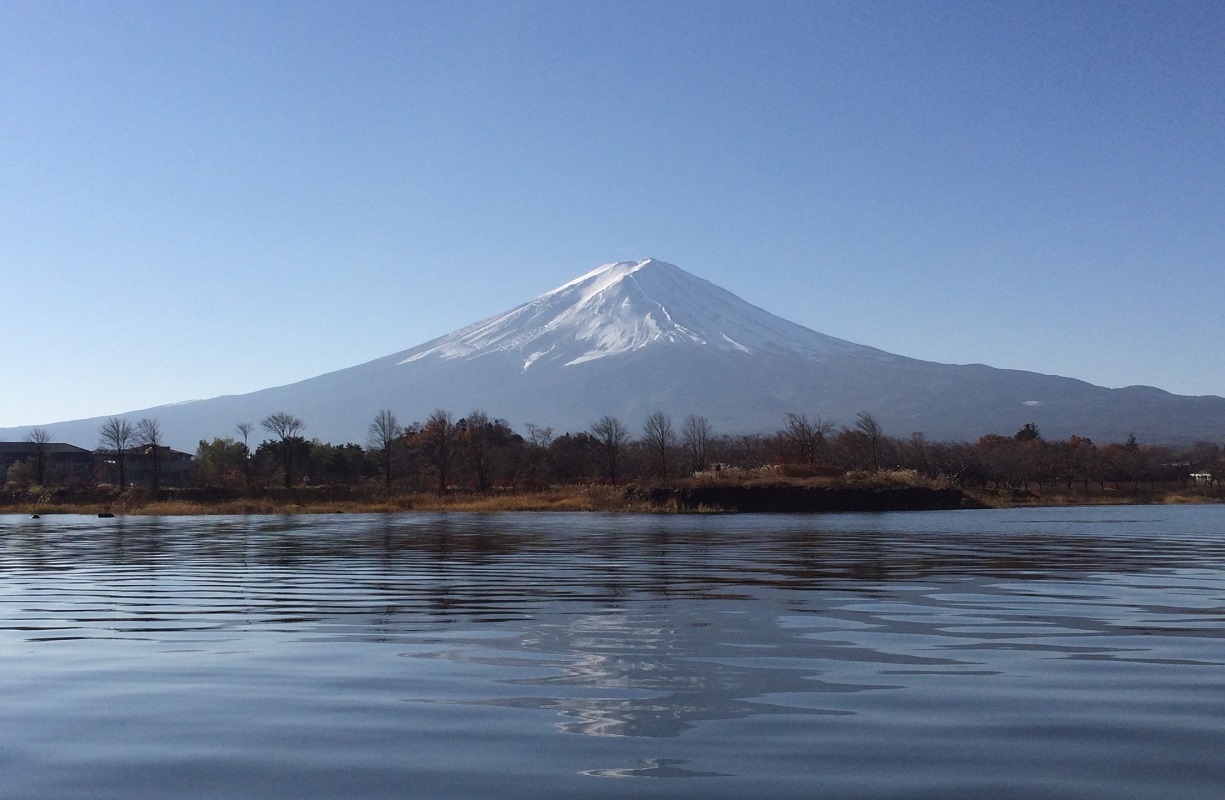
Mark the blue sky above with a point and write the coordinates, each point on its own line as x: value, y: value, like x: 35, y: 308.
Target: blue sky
x: 212, y: 198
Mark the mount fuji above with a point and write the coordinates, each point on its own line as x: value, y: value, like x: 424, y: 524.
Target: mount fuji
x: 635, y: 337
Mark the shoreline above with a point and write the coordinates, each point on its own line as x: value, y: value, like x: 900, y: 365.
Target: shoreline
x: 681, y: 497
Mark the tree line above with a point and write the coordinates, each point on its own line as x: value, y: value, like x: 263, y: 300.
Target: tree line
x: 479, y: 453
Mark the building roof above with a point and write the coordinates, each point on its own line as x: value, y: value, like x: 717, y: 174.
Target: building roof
x: 24, y: 449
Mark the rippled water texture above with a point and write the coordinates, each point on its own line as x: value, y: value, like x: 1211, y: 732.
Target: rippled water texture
x: 1055, y: 653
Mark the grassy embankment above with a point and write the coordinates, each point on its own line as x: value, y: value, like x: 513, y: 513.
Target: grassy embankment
x: 322, y: 500
x: 765, y: 489
x: 1097, y: 496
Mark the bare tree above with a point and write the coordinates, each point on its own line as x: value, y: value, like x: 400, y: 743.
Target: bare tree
x: 807, y: 436
x: 381, y: 438
x: 658, y: 436
x: 245, y: 429
x: 914, y: 454
x: 149, y: 437
x: 696, y: 433
x: 745, y: 449
x: 870, y: 428
x: 39, y: 438
x: 477, y: 441
x: 116, y: 438
x: 612, y: 436
x: 539, y: 438
x: 282, y: 424
x: 286, y: 427
x: 438, y: 439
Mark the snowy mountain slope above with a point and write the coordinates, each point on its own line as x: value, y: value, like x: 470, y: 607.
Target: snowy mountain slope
x: 636, y: 337
x: 623, y: 307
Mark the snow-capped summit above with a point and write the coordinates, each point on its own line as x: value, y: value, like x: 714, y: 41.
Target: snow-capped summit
x: 626, y: 306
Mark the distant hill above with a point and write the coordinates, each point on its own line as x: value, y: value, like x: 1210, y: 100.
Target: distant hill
x: 635, y: 337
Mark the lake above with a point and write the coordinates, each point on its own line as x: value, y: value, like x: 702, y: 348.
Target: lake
x: 1054, y: 653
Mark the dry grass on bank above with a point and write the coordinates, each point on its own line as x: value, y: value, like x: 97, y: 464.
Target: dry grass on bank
x: 1053, y: 498
x: 589, y: 497
x: 634, y: 498
x: 562, y: 498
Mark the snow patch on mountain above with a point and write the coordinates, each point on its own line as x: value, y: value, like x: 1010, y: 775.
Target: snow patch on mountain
x: 626, y: 306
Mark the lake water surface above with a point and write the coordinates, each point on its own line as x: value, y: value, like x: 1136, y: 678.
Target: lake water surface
x: 1050, y: 653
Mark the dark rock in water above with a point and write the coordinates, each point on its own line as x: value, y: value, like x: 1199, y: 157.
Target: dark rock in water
x: 35, y: 516
x: 105, y: 514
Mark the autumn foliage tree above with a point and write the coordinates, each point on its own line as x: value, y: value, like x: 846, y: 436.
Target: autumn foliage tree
x: 220, y: 461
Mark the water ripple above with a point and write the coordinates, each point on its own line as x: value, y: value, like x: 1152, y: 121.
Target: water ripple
x: 1053, y: 652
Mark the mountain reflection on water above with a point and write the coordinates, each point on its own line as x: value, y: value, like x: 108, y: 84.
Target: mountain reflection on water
x: 755, y: 650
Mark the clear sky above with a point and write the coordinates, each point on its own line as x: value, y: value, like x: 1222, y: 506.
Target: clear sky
x: 206, y: 198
